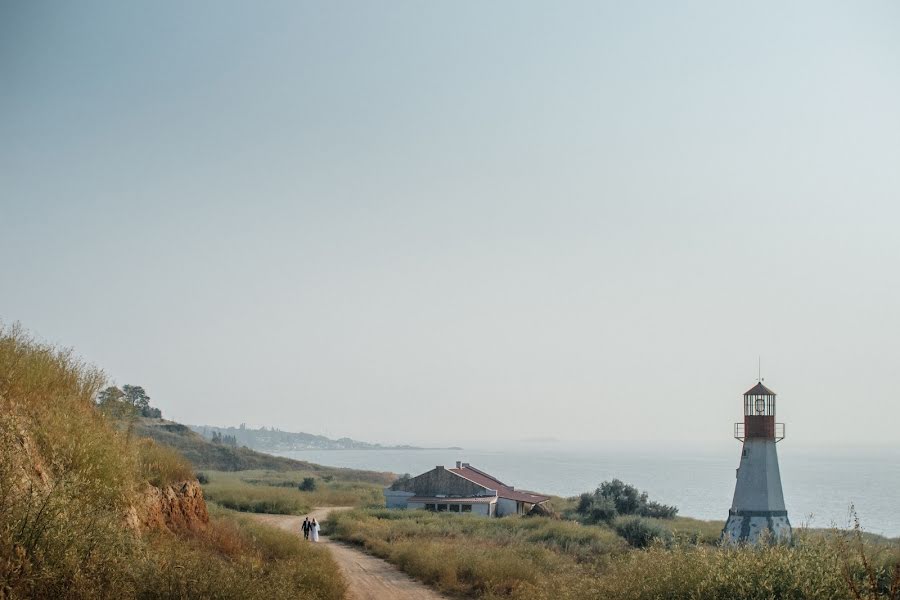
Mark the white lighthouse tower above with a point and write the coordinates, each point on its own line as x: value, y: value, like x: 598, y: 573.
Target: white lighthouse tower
x: 758, y: 504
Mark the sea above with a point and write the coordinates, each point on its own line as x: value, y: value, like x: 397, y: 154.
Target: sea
x: 823, y: 486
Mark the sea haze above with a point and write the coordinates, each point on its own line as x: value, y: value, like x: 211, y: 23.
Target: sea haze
x: 819, y: 483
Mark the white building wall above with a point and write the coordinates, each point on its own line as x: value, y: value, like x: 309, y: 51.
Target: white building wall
x: 758, y: 504
x: 758, y: 484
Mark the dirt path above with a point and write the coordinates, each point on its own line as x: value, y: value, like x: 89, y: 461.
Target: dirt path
x: 368, y: 578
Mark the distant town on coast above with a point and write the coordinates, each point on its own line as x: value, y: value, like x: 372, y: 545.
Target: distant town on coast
x: 270, y: 439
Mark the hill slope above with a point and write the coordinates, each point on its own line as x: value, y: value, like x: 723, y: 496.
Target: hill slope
x: 88, y: 510
x: 204, y: 454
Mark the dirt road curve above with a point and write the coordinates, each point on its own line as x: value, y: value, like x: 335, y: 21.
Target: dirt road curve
x: 368, y: 578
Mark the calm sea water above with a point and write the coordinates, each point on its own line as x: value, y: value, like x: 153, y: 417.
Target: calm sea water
x: 819, y: 484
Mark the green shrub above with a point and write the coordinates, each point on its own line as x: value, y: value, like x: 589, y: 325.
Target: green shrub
x: 601, y: 510
x: 307, y: 485
x: 640, y: 533
x: 613, y: 498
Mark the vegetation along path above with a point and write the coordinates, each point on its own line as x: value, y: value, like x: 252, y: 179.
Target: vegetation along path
x: 368, y: 578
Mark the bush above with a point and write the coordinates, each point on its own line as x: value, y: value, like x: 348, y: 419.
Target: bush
x: 655, y: 510
x: 614, y: 498
x: 151, y: 412
x: 401, y: 481
x: 639, y: 533
x: 202, y: 478
x: 308, y: 484
x: 602, y: 510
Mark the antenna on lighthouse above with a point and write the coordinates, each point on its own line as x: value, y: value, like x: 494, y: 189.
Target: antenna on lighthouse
x: 759, y: 369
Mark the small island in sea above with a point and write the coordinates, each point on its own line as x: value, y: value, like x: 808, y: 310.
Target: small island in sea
x: 270, y: 439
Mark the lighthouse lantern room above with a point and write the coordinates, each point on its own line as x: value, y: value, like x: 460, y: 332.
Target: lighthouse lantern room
x: 758, y: 504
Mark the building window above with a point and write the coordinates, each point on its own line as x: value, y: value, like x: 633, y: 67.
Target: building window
x: 429, y: 507
x: 467, y: 508
x: 442, y: 508
x: 454, y: 508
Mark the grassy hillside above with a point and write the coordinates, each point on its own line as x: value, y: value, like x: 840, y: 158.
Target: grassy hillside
x: 280, y: 492
x: 205, y: 455
x: 72, y: 490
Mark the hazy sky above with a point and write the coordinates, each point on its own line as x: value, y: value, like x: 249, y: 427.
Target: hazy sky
x: 442, y: 222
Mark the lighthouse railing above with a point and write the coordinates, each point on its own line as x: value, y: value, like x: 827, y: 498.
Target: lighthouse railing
x: 740, y: 432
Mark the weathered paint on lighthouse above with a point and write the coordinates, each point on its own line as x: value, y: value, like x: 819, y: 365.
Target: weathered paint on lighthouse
x: 758, y: 504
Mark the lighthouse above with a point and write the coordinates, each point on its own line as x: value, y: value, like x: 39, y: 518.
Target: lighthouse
x: 758, y: 504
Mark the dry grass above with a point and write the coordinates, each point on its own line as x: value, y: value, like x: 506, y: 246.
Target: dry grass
x: 68, y: 479
x: 539, y: 558
x: 472, y: 556
x: 238, y: 558
x: 160, y: 465
x: 277, y: 492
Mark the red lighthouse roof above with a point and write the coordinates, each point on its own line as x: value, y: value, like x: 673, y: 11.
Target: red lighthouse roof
x: 759, y: 390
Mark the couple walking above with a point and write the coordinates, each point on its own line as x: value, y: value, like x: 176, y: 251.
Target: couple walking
x: 310, y: 529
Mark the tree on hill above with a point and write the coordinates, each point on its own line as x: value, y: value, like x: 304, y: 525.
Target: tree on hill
x: 136, y: 396
x: 110, y: 394
x: 130, y: 400
x: 226, y: 440
x: 111, y: 402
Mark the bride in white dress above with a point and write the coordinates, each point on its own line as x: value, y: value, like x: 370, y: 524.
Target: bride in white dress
x: 314, y: 531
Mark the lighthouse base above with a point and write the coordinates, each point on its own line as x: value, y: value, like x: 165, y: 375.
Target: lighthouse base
x: 753, y: 526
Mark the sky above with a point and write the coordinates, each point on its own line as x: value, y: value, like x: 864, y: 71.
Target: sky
x: 438, y: 222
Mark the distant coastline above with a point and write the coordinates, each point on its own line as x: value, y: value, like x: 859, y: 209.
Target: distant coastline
x: 271, y: 439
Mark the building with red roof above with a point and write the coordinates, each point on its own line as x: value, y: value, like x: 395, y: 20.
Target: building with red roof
x: 463, y: 489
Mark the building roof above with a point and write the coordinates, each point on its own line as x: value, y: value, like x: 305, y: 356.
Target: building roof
x: 759, y: 390
x: 452, y: 500
x: 489, y: 481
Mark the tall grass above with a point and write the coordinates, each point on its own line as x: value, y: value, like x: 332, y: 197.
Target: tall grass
x: 540, y: 558
x: 68, y: 481
x: 473, y: 556
x: 238, y: 558
x: 278, y: 492
x: 160, y: 465
x: 810, y: 569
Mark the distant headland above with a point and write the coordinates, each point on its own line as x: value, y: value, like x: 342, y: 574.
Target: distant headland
x: 270, y: 439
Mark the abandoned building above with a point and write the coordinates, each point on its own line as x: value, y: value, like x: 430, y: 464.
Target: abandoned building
x: 464, y: 489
